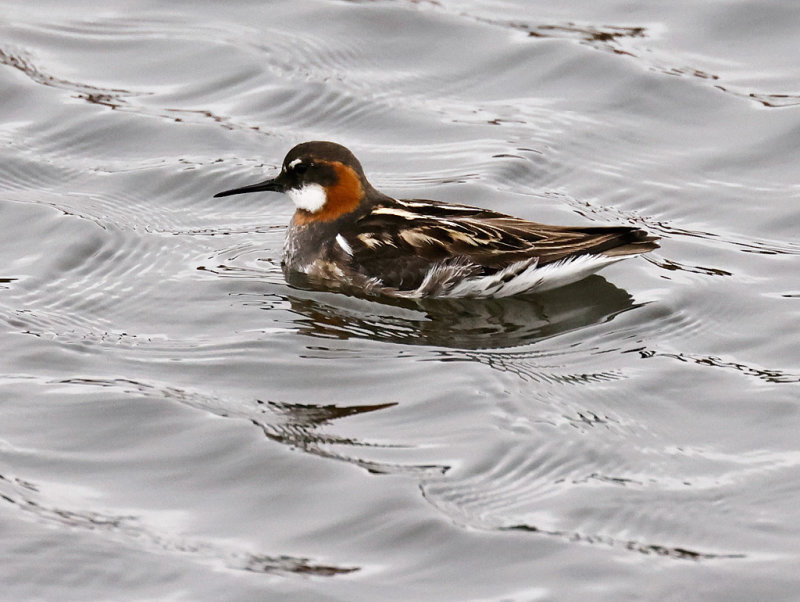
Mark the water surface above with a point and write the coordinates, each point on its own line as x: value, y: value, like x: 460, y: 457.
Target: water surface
x: 178, y: 422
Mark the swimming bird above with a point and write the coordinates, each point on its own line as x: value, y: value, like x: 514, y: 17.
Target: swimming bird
x: 345, y: 234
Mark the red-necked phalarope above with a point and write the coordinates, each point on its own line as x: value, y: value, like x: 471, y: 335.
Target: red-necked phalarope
x: 349, y: 235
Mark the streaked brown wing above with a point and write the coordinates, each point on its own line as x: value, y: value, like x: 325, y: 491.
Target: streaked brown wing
x: 398, y: 243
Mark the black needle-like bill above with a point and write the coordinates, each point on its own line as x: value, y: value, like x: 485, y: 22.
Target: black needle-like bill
x: 271, y: 185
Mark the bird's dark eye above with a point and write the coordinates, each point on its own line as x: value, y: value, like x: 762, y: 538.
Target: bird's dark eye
x: 301, y: 168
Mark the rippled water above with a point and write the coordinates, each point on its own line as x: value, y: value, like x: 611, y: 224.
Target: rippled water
x: 177, y: 422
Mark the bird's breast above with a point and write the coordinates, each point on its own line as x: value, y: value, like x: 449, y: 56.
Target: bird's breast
x: 307, y: 245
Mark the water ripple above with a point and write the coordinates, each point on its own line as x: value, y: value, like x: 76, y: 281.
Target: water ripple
x: 36, y: 502
x: 534, y: 490
x: 636, y: 43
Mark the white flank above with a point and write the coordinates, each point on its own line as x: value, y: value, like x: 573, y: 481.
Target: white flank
x: 344, y: 244
x: 311, y: 197
x: 572, y: 269
x: 517, y: 278
x: 521, y: 277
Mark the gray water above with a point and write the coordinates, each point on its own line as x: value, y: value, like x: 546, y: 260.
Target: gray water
x: 178, y: 423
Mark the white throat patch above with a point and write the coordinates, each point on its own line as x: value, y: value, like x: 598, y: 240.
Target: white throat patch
x: 311, y: 197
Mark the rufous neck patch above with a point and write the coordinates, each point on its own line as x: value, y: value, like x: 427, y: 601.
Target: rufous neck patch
x: 340, y: 198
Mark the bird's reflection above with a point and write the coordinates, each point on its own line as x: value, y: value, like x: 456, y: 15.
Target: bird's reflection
x: 459, y: 323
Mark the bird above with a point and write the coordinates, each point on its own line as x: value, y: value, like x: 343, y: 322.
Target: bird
x: 345, y: 235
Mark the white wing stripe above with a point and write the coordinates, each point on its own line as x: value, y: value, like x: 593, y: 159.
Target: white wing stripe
x: 340, y: 240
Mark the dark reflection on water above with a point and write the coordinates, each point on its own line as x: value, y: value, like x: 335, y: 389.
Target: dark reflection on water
x: 465, y: 323
x: 303, y: 429
x: 634, y: 546
x: 770, y: 375
x: 306, y: 427
x: 26, y: 497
